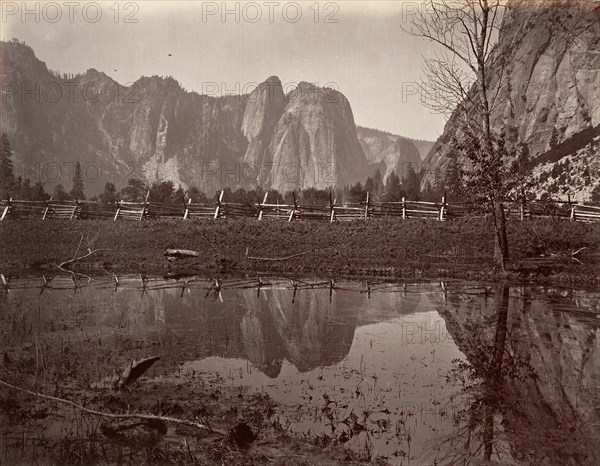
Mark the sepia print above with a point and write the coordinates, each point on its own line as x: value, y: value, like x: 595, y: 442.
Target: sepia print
x: 300, y: 232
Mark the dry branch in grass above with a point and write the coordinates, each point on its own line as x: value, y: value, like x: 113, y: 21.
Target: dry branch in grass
x: 64, y: 265
x: 147, y: 417
x: 285, y: 258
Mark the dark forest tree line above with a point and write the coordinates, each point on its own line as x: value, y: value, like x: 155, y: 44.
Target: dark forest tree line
x: 390, y: 189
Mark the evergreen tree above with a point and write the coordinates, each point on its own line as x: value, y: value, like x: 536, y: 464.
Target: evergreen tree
x: 7, y: 177
x: 38, y: 193
x: 179, y: 195
x: 412, y: 185
x: 109, y: 196
x: 393, y: 190
x: 60, y: 194
x: 370, y: 186
x: 357, y: 193
x: 197, y: 196
x: 162, y: 192
x: 77, y: 189
x: 135, y: 191
x: 453, y: 182
x: 378, y: 182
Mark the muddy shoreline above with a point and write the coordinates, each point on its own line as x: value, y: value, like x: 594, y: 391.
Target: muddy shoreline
x: 541, y: 250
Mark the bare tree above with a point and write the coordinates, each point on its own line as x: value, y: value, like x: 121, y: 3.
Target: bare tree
x: 458, y: 81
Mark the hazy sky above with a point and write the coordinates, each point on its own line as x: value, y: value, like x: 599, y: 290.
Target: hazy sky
x: 357, y: 47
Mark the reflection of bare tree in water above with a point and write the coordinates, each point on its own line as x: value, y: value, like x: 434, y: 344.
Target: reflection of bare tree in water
x: 493, y: 378
x: 483, y: 378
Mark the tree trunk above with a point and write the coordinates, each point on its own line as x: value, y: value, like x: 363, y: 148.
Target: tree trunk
x: 501, y: 242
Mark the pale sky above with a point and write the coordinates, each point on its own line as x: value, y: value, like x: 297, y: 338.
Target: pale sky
x: 365, y: 54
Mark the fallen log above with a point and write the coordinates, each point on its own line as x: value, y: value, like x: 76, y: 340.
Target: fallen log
x: 181, y: 253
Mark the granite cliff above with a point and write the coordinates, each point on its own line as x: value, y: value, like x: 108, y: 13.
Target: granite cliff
x: 156, y: 130
x: 549, y: 97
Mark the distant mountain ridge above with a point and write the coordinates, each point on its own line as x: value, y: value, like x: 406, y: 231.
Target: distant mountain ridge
x: 389, y: 152
x: 155, y: 130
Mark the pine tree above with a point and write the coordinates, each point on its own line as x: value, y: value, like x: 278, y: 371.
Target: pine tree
x: 60, y: 194
x: 393, y: 190
x: 357, y: 193
x: 378, y: 182
x: 109, y: 196
x: 7, y: 177
x: 38, y: 193
x: 135, y: 191
x: 412, y: 184
x: 453, y: 182
x: 370, y: 186
x: 77, y: 189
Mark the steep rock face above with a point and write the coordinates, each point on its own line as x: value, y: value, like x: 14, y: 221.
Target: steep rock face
x: 389, y: 152
x: 155, y: 130
x: 314, y: 143
x: 552, y: 77
x: 264, y: 107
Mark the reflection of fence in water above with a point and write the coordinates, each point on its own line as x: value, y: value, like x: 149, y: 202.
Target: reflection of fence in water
x: 405, y: 209
x: 212, y: 287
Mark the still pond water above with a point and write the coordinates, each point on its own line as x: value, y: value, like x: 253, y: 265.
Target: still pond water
x: 419, y: 373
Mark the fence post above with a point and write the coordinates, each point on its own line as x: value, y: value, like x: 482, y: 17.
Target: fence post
x: 187, y: 208
x: 367, y: 206
x: 6, y: 209
x: 46, y: 210
x: 572, y: 217
x: 74, y: 209
x: 143, y: 212
x: 403, y: 208
x: 260, y: 206
x: 331, y: 207
x: 442, y: 207
x: 522, y: 214
x: 118, y: 210
x: 217, y: 210
x: 293, y: 212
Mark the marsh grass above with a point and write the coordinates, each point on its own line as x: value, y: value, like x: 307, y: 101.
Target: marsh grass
x: 461, y: 248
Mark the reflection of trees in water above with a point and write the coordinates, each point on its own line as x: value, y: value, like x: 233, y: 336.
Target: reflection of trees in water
x: 505, y: 415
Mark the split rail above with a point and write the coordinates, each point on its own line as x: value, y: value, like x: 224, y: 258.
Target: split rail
x: 265, y: 210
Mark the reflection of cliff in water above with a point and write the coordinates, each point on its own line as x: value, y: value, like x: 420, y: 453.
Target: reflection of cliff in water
x: 536, y: 355
x: 309, y: 327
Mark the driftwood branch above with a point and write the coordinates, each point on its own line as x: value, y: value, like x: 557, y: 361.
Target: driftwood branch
x: 285, y: 258
x: 64, y: 265
x: 147, y: 417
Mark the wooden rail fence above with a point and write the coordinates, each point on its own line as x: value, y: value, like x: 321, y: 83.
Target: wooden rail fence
x: 333, y: 212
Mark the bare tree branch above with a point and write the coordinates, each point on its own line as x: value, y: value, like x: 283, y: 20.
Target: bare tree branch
x: 148, y: 417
